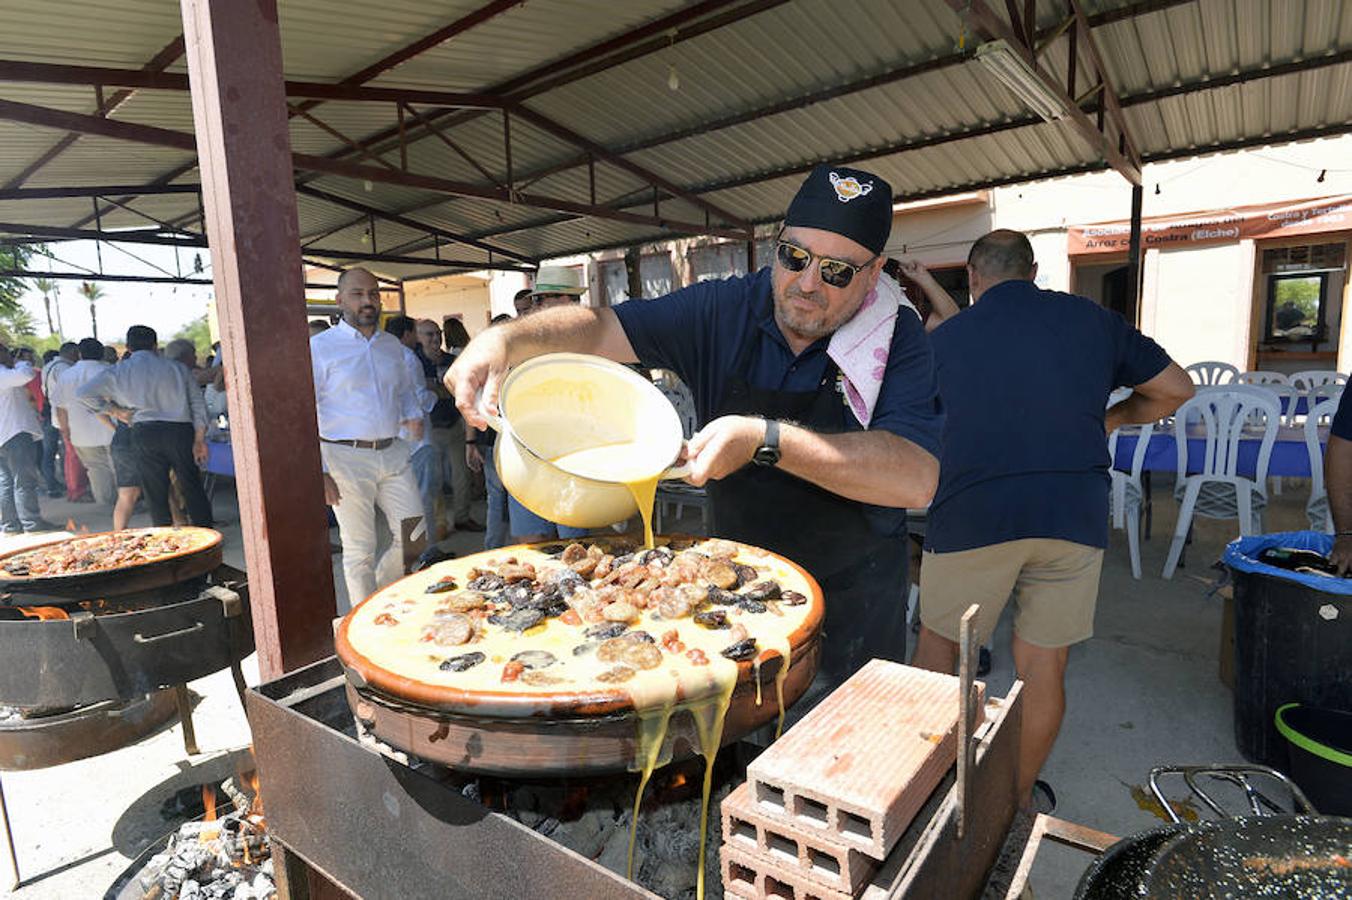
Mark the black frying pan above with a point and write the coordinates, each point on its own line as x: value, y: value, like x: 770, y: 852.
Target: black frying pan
x: 1268, y: 856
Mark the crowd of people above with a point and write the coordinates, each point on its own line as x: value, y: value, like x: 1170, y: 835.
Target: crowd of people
x: 93, y: 427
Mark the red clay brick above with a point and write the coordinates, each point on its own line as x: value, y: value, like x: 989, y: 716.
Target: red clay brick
x: 751, y: 875
x: 827, y: 862
x: 858, y: 767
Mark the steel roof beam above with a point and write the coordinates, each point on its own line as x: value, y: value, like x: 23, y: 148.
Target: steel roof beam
x: 106, y: 190
x: 406, y: 222
x: 164, y: 137
x: 146, y: 79
x: 158, y: 63
x: 989, y: 26
x: 1228, y: 80
x: 811, y: 98
x: 544, y: 123
x: 1129, y: 147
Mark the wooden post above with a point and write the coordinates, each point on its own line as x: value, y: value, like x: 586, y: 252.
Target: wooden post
x: 234, y: 58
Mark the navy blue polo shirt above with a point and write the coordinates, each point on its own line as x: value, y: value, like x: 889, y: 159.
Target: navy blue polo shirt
x: 700, y: 333
x: 1025, y: 375
x: 1342, y: 419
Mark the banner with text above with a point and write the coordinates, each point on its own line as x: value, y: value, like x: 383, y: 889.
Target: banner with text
x: 1267, y: 220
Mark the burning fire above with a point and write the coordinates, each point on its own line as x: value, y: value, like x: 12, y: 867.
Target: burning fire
x: 209, y: 803
x: 75, y: 528
x: 45, y: 613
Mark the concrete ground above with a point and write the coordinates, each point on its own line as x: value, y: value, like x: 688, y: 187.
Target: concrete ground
x: 1143, y: 692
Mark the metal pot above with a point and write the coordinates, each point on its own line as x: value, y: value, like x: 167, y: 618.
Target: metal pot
x: 561, y: 403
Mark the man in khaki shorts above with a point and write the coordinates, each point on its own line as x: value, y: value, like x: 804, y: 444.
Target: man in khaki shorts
x: 1022, y: 505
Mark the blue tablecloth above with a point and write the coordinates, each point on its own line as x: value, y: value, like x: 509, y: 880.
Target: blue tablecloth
x: 1290, y: 458
x: 220, y: 459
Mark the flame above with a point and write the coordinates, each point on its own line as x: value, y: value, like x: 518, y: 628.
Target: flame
x: 209, y: 802
x: 75, y: 528
x: 678, y: 780
x: 45, y: 613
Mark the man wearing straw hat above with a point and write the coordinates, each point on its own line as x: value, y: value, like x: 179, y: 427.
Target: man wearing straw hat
x: 554, y: 286
x: 816, y: 396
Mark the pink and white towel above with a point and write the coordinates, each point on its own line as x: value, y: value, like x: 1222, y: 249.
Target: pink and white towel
x: 860, y: 346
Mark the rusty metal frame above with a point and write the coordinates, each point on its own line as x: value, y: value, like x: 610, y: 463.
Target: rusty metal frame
x: 1121, y: 155
x: 167, y: 56
x: 164, y: 137
x: 888, y: 76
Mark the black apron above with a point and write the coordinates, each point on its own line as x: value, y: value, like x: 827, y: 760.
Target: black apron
x: 862, y: 574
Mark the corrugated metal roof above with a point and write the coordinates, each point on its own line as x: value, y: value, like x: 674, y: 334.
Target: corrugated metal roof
x: 900, y: 128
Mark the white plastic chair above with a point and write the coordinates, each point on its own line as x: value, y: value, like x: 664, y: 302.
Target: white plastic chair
x: 1317, y: 509
x: 1212, y: 372
x: 1128, y: 494
x: 1261, y: 376
x: 1218, y: 491
x: 1309, y: 380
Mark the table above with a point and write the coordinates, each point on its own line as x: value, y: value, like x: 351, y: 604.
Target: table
x: 1290, y: 458
x: 221, y: 458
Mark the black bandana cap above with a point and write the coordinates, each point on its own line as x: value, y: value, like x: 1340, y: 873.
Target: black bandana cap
x: 845, y: 201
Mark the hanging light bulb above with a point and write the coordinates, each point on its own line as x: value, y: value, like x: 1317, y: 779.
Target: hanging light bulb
x: 1157, y: 190
x: 366, y: 237
x: 673, y: 78
x: 1322, y: 173
x: 368, y: 186
x: 197, y: 263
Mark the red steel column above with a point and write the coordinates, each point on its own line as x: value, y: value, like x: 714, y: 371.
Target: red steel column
x: 234, y: 57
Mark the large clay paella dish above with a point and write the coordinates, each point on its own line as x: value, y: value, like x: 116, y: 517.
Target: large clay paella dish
x: 549, y: 658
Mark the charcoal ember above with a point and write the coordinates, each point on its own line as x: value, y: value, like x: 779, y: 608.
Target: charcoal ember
x: 792, y: 598
x: 442, y: 586
x: 744, y: 649
x: 660, y: 555
x: 518, y: 619
x: 762, y: 591
x: 488, y: 582
x: 752, y: 606
x: 606, y: 630
x: 712, y: 618
x: 535, y: 659
x: 721, y: 597
x: 462, y: 662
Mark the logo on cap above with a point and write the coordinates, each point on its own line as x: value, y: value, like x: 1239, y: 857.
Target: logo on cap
x: 849, y: 188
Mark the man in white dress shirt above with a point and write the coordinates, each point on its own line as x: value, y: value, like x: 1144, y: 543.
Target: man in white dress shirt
x: 364, y: 396
x: 20, y: 437
x: 90, y: 433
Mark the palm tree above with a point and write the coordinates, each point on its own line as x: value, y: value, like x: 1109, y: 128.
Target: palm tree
x: 91, y: 292
x: 47, y: 286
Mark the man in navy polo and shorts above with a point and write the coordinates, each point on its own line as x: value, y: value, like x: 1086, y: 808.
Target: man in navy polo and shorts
x: 1022, y: 505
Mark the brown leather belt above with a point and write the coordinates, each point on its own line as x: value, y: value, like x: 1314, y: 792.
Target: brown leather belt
x: 362, y: 445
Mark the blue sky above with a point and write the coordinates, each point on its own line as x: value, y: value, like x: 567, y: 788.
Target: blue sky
x: 164, y: 307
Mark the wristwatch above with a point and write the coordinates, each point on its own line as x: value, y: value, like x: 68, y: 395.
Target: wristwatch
x: 767, y: 454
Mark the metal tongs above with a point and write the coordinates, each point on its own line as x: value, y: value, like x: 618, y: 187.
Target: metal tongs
x: 1259, y: 803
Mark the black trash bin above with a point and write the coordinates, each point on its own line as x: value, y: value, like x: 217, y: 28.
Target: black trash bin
x: 1320, y: 746
x: 1293, y: 641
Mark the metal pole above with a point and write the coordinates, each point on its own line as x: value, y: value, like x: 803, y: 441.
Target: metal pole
x: 1133, y: 312
x: 234, y: 57
x: 9, y: 839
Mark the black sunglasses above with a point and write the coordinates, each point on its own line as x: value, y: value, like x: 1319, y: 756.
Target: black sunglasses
x: 835, y: 272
